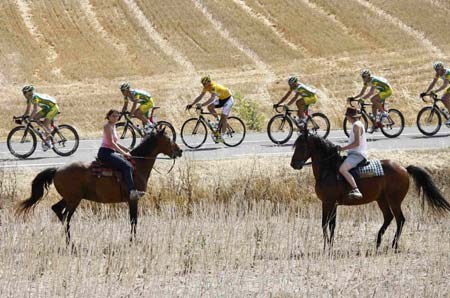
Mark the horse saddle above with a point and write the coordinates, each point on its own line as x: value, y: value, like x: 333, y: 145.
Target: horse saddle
x: 100, y: 169
x: 367, y: 169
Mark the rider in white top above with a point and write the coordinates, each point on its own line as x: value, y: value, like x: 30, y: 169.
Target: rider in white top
x: 357, y: 151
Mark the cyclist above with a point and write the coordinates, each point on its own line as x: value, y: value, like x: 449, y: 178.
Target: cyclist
x: 49, y: 110
x: 303, y: 98
x: 113, y: 154
x: 385, y: 90
x: 444, y: 74
x: 357, y: 151
x: 145, y: 101
x: 220, y: 98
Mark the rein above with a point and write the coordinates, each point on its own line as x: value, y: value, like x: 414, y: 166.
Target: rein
x: 155, y: 158
x: 320, y: 161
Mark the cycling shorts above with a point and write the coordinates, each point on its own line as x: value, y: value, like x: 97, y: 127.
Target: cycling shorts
x: 385, y: 94
x: 50, y: 113
x: 145, y: 107
x: 226, y: 104
x: 308, y: 101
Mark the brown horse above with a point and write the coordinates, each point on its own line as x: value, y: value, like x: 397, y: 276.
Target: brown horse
x: 388, y: 190
x: 75, y: 182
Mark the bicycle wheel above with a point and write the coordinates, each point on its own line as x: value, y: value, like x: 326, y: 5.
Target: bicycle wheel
x: 193, y: 133
x: 319, y: 125
x: 429, y: 121
x: 347, y: 126
x: 21, y: 142
x: 280, y: 129
x: 235, y: 132
x: 169, y: 130
x: 126, y: 134
x: 65, y: 140
x: 393, y: 124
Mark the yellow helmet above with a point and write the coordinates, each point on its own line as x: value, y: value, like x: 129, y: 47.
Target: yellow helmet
x: 205, y: 80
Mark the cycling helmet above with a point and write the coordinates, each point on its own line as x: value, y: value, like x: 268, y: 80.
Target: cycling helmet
x: 292, y: 80
x: 365, y: 73
x: 125, y: 86
x: 438, y: 65
x: 27, y: 88
x: 205, y: 80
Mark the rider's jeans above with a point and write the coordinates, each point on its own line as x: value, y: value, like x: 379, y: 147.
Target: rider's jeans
x: 116, y: 161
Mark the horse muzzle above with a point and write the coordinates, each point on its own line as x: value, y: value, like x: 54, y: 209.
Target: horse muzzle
x: 297, y: 164
x: 177, y: 153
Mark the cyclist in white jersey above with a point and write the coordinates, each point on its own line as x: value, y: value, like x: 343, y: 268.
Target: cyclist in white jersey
x: 357, y: 151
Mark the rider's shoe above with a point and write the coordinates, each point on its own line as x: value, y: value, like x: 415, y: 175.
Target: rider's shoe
x: 447, y: 123
x: 136, y: 194
x: 149, y: 127
x: 384, y: 117
x: 355, y: 194
x: 219, y: 139
x: 372, y: 129
x: 47, y: 145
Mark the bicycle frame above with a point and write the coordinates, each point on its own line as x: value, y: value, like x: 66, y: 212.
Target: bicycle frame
x: 128, y: 121
x: 288, y: 114
x: 435, y: 105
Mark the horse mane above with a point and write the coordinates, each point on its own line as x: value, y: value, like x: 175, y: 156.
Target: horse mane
x: 147, y: 145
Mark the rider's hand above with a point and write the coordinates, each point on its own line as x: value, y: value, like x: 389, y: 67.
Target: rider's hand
x: 198, y: 106
x: 423, y: 94
x: 188, y: 107
x: 339, y: 148
x: 127, y: 155
x: 275, y: 106
x: 350, y: 98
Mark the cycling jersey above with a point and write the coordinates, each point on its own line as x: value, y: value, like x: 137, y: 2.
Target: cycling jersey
x: 445, y: 76
x: 381, y: 84
x: 141, y: 96
x: 44, y: 101
x: 221, y: 91
x: 305, y: 91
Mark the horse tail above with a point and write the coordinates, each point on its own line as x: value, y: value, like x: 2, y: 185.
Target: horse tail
x: 41, y: 182
x: 430, y: 192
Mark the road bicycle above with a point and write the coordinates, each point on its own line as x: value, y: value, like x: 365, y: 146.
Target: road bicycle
x: 22, y: 140
x: 128, y: 131
x: 429, y: 119
x: 195, y: 130
x: 391, y: 125
x: 281, y: 126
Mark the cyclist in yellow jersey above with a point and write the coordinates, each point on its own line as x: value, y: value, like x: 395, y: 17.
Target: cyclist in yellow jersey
x: 49, y: 110
x: 384, y: 91
x: 304, y: 96
x: 145, y: 101
x: 220, y: 98
x: 444, y: 74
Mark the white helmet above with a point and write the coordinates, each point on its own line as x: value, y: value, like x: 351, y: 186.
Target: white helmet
x: 438, y: 65
x: 27, y: 88
x: 125, y: 86
x: 292, y: 80
x: 365, y: 73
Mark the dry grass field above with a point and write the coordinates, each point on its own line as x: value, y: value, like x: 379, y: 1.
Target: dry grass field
x: 205, y: 232
x: 80, y: 51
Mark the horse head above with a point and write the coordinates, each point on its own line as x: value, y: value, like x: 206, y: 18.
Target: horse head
x: 301, y: 152
x: 158, y: 142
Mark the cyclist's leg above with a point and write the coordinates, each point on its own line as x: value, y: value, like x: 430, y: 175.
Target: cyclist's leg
x: 37, y: 117
x: 446, y: 101
x: 225, y: 113
x: 301, y: 108
x: 142, y: 112
x: 376, y: 104
x: 211, y: 107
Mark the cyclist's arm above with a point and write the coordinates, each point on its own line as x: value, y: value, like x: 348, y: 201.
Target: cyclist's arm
x: 198, y: 98
x: 28, y: 109
x: 284, y: 97
x: 125, y: 104
x: 210, y: 100
x: 444, y: 85
x: 432, y: 84
x: 296, y: 96
x: 372, y: 91
x: 363, y: 90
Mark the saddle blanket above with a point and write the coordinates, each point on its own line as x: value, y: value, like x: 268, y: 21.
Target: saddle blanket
x: 101, y: 170
x: 373, y: 168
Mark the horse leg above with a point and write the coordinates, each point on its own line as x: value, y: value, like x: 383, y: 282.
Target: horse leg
x: 327, y: 210
x: 400, y: 219
x: 58, y: 209
x: 332, y: 224
x: 387, y: 215
x: 133, y: 208
x: 67, y: 216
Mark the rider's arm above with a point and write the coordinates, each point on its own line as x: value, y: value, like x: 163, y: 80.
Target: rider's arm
x: 198, y: 98
x: 363, y: 90
x: 372, y: 90
x: 28, y: 109
x: 210, y: 100
x: 284, y: 97
x: 432, y: 84
x: 444, y: 85
x: 357, y: 130
x: 125, y: 104
x: 108, y: 131
x: 296, y: 96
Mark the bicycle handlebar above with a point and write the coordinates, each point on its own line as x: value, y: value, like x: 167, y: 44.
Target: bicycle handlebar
x: 432, y: 95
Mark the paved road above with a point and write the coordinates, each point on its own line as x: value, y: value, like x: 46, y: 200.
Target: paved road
x: 255, y: 144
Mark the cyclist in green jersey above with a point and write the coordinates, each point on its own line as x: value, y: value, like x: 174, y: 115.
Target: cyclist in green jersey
x: 444, y: 74
x: 384, y: 91
x: 145, y: 101
x: 49, y: 110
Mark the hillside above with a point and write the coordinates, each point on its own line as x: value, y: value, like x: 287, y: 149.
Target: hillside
x: 79, y: 51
